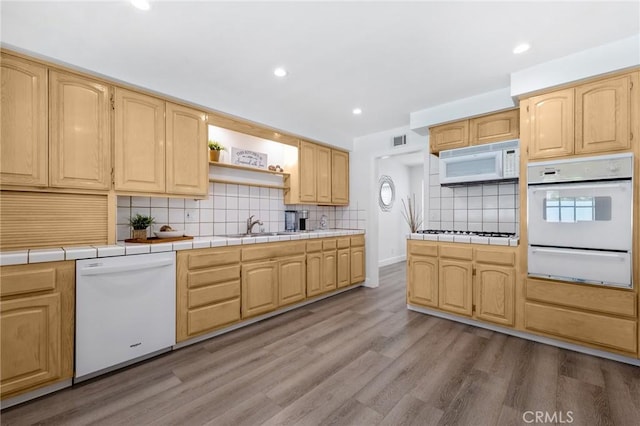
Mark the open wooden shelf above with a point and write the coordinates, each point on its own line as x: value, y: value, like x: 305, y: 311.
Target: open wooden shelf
x: 249, y: 169
x: 239, y: 182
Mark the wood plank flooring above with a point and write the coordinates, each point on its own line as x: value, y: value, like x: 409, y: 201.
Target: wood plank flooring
x: 359, y: 358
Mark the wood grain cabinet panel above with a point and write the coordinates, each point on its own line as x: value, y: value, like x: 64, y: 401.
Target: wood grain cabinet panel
x: 495, y: 127
x: 323, y: 177
x: 259, y: 288
x: 357, y: 265
x: 291, y: 280
x: 603, y: 115
x: 339, y: 177
x: 187, y: 164
x: 551, y: 122
x: 343, y: 270
x: 314, y: 274
x: 80, y: 136
x: 37, y: 324
x: 307, y: 167
x: 23, y: 127
x: 495, y: 294
x: 139, y: 142
x: 455, y: 289
x: 449, y: 136
x: 422, y: 281
x: 329, y: 270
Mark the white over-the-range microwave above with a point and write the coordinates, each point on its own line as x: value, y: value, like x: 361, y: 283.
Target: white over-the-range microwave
x: 481, y: 163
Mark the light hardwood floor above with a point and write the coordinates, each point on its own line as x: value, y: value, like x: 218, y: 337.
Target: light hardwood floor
x: 359, y: 358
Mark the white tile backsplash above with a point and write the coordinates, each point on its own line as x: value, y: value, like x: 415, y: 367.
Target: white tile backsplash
x: 484, y: 207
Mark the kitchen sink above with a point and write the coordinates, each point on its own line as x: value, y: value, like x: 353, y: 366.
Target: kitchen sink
x: 257, y: 234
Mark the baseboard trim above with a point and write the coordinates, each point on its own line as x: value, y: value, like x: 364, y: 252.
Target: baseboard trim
x: 392, y: 260
x: 527, y: 336
x: 28, y: 396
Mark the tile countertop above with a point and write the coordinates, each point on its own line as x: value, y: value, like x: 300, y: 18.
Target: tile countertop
x: 466, y: 239
x: 22, y: 257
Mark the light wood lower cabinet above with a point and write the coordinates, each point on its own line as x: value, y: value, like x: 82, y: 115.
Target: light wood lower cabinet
x: 343, y: 270
x: 37, y: 326
x: 455, y: 291
x: 315, y: 274
x: 495, y: 293
x: 329, y: 270
x: 259, y: 288
x: 291, y: 280
x: 208, y: 290
x: 422, y: 280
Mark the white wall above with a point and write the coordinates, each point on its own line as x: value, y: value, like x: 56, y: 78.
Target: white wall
x: 416, y: 186
x: 392, y: 228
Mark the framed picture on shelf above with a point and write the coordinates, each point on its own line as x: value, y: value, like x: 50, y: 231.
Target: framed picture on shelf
x: 245, y: 157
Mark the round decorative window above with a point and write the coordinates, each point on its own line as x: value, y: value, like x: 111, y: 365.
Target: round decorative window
x: 386, y: 193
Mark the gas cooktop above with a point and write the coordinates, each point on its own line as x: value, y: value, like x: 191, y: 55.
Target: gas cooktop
x: 470, y: 233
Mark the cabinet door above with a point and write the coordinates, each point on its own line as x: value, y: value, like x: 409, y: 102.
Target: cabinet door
x: 551, y: 124
x: 80, y: 138
x: 495, y: 291
x: 31, y: 342
x: 259, y: 288
x: 423, y: 280
x: 495, y: 127
x: 314, y: 274
x: 292, y: 280
x: 339, y: 177
x: 357, y: 265
x: 343, y: 270
x: 603, y: 116
x: 187, y: 163
x: 329, y: 270
x: 139, y: 142
x: 307, y: 166
x: 23, y: 127
x: 323, y: 178
x: 449, y: 136
x: 455, y: 286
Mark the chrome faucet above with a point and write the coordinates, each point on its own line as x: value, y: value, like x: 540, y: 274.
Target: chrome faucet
x: 251, y: 223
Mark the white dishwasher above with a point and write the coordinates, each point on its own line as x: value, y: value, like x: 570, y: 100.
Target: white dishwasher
x: 125, y: 310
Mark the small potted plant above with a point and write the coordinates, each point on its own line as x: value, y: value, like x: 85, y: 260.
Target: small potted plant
x: 214, y: 150
x: 140, y: 224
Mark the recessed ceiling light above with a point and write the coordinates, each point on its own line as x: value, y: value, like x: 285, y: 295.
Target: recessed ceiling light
x: 357, y: 111
x: 141, y: 4
x: 521, y: 48
x: 280, y: 72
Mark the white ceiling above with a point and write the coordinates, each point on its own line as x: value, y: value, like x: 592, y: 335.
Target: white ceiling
x: 388, y: 58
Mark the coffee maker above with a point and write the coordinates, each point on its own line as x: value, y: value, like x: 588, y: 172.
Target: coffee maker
x: 303, y: 216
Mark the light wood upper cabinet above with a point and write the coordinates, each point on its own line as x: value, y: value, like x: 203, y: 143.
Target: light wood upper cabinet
x: 187, y: 161
x: 323, y: 178
x: 80, y: 132
x: 36, y: 320
x: 422, y: 281
x: 603, y: 115
x: 259, y: 288
x: 495, y: 294
x: 307, y: 167
x: 449, y: 136
x: 339, y: 177
x: 495, y: 127
x: 23, y: 131
x: 139, y: 142
x: 455, y: 291
x: 551, y: 131
x: 291, y: 280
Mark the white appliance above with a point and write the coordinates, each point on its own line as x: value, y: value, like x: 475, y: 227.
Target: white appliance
x: 482, y: 163
x: 580, y: 219
x: 125, y: 310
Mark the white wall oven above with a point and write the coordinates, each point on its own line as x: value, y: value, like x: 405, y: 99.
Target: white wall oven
x: 580, y: 220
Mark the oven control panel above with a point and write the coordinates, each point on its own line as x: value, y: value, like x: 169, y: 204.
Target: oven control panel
x: 616, y: 166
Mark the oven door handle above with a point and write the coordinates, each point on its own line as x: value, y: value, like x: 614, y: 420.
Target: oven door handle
x: 580, y: 253
x: 570, y: 187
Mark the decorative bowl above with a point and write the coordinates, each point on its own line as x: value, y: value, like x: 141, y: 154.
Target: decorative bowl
x: 168, y: 234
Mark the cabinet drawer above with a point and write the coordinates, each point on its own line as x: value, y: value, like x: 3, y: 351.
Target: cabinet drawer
x: 212, y: 276
x: 270, y: 251
x: 600, y: 330
x: 208, y: 318
x: 581, y: 296
x: 423, y: 249
x: 456, y: 252
x: 313, y: 246
x: 496, y: 257
x: 213, y: 257
x: 357, y: 241
x: 344, y: 242
x: 329, y: 244
x: 22, y: 279
x: 212, y: 294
